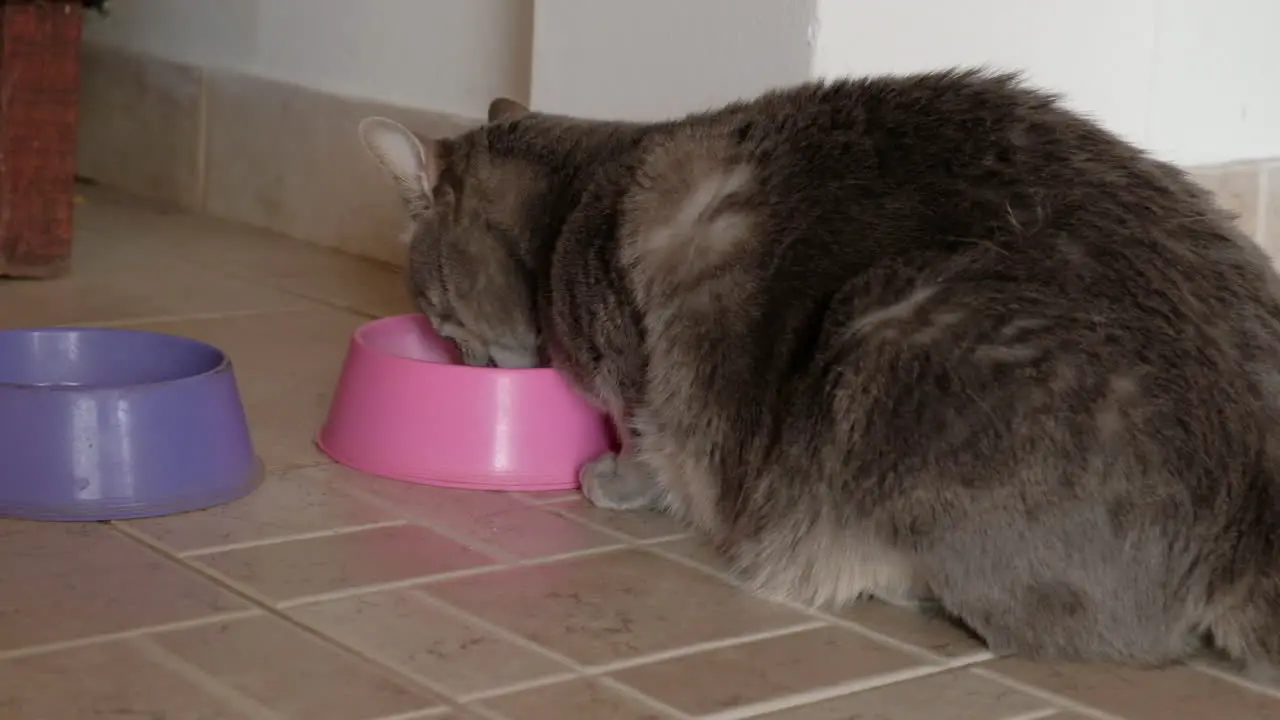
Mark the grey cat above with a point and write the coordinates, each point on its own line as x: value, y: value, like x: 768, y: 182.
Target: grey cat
x: 930, y: 338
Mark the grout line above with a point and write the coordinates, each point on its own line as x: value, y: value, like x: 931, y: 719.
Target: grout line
x: 975, y: 657
x: 127, y: 634
x: 514, y: 638
x: 428, y: 580
x: 829, y: 692
x: 570, y: 555
x: 1036, y: 714
x: 663, y: 539
x: 322, y: 461
x: 495, y: 553
x: 521, y: 686
x: 1237, y: 680
x: 185, y: 317
x: 550, y: 507
x: 552, y: 559
x: 486, y: 713
x: 818, y: 620
x: 565, y: 496
x: 331, y: 532
x: 278, y: 613
x: 970, y: 660
x: 1064, y: 703
x: 242, y: 703
x: 418, y: 714
x: 348, y: 592
x: 234, y: 586
x: 599, y: 672
x: 444, y: 690
x: 326, y: 302
x: 873, y: 635
x: 521, y: 641
x: 687, y: 650
x: 633, y: 694
x: 480, y: 696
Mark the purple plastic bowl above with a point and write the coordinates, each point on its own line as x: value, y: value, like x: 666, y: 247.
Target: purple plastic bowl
x: 101, y: 424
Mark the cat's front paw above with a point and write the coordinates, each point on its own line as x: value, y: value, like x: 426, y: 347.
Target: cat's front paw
x: 618, y: 483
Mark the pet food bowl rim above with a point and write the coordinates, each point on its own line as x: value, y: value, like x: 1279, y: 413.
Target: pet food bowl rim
x: 359, y: 338
x: 223, y: 360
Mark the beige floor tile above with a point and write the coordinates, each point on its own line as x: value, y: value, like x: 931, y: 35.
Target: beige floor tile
x: 156, y: 289
x: 110, y: 680
x: 68, y: 581
x: 575, y: 699
x: 292, y: 502
x: 928, y: 633
x: 249, y: 254
x: 697, y: 549
x: 1178, y: 693
x: 529, y: 532
x: 640, y: 525
x: 1216, y: 662
x: 115, y: 280
x: 551, y: 496
x: 497, y: 520
x: 292, y: 673
x: 300, y: 267
x: 296, y: 569
x: 730, y: 677
x: 956, y: 695
x: 613, y: 606
x: 403, y: 630
x: 286, y: 364
x: 428, y: 502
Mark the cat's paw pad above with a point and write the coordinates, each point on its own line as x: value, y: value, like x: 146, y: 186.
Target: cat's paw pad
x: 614, y: 484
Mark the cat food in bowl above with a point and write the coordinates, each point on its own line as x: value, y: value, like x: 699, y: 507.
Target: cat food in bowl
x: 104, y: 424
x: 406, y: 408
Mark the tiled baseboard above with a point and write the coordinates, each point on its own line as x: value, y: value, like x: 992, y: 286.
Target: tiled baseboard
x: 1251, y: 190
x: 286, y: 158
x: 267, y: 154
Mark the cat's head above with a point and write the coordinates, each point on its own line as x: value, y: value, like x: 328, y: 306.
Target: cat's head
x: 467, y: 235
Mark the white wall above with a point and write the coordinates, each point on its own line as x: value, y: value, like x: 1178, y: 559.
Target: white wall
x: 1216, y: 80
x: 446, y: 55
x: 651, y: 59
x: 1197, y: 82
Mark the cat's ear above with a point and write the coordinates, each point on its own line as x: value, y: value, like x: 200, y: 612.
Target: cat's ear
x: 414, y: 163
x: 506, y: 109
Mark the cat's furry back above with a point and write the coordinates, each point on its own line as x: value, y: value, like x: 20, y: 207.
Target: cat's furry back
x: 923, y: 337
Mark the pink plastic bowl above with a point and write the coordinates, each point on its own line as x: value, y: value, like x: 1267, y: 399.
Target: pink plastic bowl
x: 405, y: 408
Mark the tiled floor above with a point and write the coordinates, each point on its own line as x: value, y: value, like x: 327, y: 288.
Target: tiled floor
x: 333, y: 595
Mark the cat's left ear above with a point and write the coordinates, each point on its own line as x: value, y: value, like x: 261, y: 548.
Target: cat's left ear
x: 503, y: 109
x: 414, y: 163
